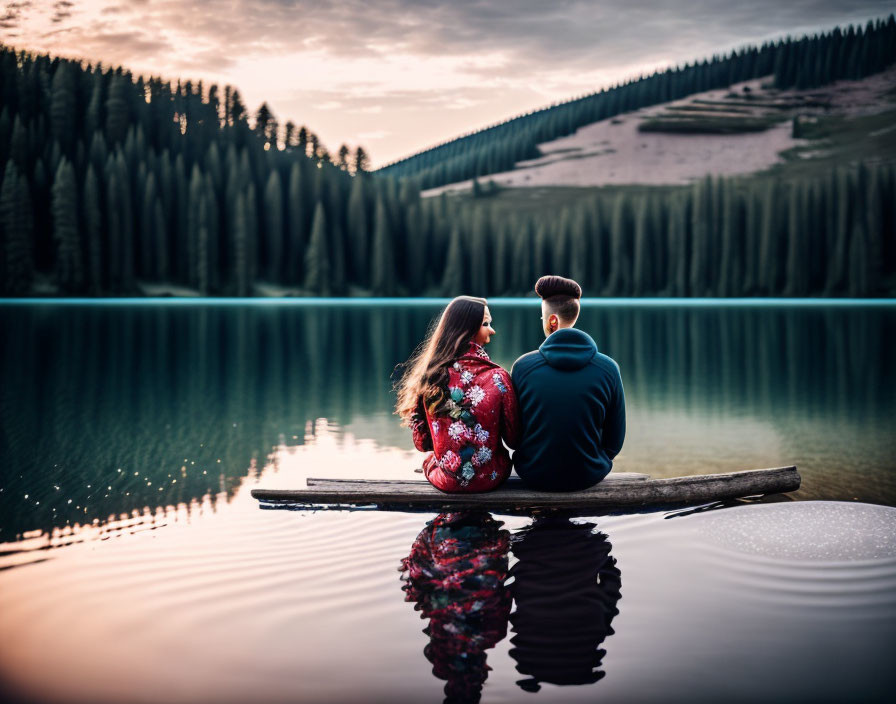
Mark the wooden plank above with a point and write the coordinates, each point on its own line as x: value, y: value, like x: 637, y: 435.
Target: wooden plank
x: 619, y: 492
x: 512, y: 483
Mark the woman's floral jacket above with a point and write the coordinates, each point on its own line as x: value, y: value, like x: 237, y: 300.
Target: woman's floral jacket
x: 466, y: 450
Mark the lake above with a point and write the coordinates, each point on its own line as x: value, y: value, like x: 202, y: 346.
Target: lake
x: 135, y: 566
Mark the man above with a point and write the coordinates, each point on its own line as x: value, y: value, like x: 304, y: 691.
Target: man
x: 571, y: 400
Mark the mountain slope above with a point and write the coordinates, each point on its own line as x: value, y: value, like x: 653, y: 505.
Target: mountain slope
x: 801, y: 63
x: 686, y: 139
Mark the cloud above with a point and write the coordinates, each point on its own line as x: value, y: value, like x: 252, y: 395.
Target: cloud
x: 371, y: 136
x: 136, y: 44
x: 419, y: 71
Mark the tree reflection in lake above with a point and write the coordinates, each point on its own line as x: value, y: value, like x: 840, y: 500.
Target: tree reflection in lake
x: 565, y: 585
x: 110, y: 409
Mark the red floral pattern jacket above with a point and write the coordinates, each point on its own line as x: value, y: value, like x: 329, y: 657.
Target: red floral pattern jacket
x: 466, y: 450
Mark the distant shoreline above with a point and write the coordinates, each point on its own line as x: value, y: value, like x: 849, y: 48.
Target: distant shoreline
x: 493, y: 301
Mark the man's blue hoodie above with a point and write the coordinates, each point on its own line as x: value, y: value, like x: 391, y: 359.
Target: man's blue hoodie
x: 572, y: 408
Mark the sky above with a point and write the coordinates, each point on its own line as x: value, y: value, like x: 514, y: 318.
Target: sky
x: 398, y: 76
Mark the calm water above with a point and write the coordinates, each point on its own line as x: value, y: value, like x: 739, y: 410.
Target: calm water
x: 134, y: 565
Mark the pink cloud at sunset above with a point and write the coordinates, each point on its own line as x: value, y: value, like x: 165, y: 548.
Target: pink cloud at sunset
x: 400, y: 75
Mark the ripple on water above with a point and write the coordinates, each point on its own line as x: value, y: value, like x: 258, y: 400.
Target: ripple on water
x: 830, y: 531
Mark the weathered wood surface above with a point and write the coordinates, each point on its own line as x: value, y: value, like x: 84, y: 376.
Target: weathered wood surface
x: 615, y: 490
x: 514, y: 482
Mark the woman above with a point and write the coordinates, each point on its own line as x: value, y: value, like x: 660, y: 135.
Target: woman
x: 458, y: 403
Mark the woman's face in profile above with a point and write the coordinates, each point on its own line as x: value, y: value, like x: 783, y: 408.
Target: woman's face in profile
x: 484, y: 335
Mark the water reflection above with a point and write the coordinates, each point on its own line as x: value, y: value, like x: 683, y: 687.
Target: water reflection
x: 455, y: 573
x: 565, y: 585
x: 107, y: 410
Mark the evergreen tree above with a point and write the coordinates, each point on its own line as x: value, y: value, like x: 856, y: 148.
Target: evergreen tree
x: 678, y: 249
x: 147, y: 214
x: 191, y: 236
x: 642, y: 271
x: 289, y: 134
x: 701, y: 219
x: 342, y: 158
x: 362, y: 161
x: 838, y: 271
x: 16, y: 225
x: 203, y: 260
x: 237, y: 115
x: 241, y: 247
x: 263, y: 119
x: 93, y: 118
x: 337, y: 256
x: 317, y: 262
x: 479, y: 260
x: 18, y: 146
x: 161, y: 241
x: 875, y: 225
x: 750, y: 280
x: 297, y: 206
x: 816, y: 265
x: 542, y: 257
x: 730, y: 240
x: 251, y: 234
x: 273, y: 196
x: 453, y: 279
x: 114, y: 235
x: 657, y: 219
x: 382, y: 277
x: 523, y: 266
x: 858, y: 261
x: 500, y: 263
x: 769, y: 239
x: 62, y: 106
x: 117, y: 114
x: 578, y: 246
x: 416, y: 259
x: 214, y: 235
x: 127, y: 223
x: 561, y: 248
x: 598, y: 246
x: 93, y: 230
x: 302, y: 140
x: 797, y: 244
x: 69, y: 264
x: 619, y: 281
x: 358, y: 230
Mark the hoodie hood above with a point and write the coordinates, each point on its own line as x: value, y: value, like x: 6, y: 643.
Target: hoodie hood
x: 568, y: 349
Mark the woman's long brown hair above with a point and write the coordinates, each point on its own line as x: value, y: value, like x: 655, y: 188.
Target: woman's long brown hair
x: 426, y: 372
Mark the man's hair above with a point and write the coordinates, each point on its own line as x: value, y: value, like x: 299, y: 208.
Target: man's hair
x: 561, y: 295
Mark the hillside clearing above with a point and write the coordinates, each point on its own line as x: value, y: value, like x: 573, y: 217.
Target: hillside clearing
x: 616, y: 152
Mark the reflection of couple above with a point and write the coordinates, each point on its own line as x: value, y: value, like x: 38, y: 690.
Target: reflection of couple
x: 565, y: 585
x: 562, y: 407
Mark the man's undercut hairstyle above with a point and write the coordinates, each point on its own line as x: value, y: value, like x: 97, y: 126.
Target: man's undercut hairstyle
x: 561, y: 295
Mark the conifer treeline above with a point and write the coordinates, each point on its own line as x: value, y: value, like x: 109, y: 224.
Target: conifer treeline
x: 830, y: 235
x: 206, y: 203
x: 804, y: 63
x: 108, y: 180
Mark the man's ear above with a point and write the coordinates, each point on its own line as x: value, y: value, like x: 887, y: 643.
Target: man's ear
x: 553, y: 322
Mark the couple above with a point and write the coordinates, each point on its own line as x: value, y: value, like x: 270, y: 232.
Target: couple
x: 562, y: 407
